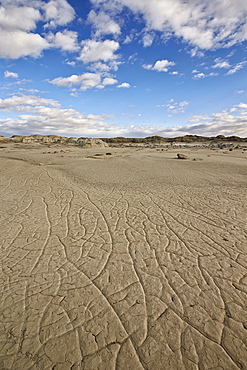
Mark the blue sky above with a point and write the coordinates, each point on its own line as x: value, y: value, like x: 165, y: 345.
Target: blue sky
x: 134, y: 68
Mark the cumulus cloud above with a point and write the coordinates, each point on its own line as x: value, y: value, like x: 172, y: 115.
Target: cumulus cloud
x: 18, y: 16
x: 124, y: 85
x: 58, y: 13
x: 85, y: 81
x: 220, y: 63
x: 223, y: 123
x: 228, y: 123
x: 65, y: 40
x: 18, y: 22
x: 103, y: 24
x: 17, y: 44
x: 8, y: 74
x: 18, y: 102
x: 160, y: 65
x: 236, y: 68
x: 201, y: 75
x: 93, y: 51
x: 109, y: 81
x: 45, y: 116
x: 205, y: 24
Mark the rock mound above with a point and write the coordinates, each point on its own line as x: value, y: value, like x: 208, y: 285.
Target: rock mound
x: 92, y: 143
x: 54, y: 139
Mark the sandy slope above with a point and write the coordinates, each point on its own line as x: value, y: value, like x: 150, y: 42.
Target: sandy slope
x: 135, y: 260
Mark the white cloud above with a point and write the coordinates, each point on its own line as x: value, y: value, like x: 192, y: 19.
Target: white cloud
x: 201, y: 75
x: 147, y: 66
x: 99, y: 67
x: 17, y: 44
x: 58, y: 13
x: 160, y: 65
x: 85, y: 81
x: 148, y: 39
x: 124, y: 85
x: 65, y: 40
x: 223, y: 123
x: 238, y: 91
x: 109, y: 81
x: 236, y: 68
x: 103, y: 24
x: 128, y: 39
x: 205, y: 24
x: 8, y: 74
x: 196, y: 52
x: 242, y: 106
x: 18, y: 22
x: 175, y: 107
x: 220, y: 63
x: 18, y: 102
x: 45, y: 116
x: 71, y: 63
x: 228, y: 123
x: 93, y: 51
x: 14, y: 17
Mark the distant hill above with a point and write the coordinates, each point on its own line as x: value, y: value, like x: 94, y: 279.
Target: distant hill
x: 52, y: 139
x: 183, y: 139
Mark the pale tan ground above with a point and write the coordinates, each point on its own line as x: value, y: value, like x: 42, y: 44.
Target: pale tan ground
x: 135, y: 260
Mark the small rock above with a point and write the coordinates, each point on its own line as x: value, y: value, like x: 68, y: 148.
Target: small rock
x: 44, y: 163
x: 182, y: 156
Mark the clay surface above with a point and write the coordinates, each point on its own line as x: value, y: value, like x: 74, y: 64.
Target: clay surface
x: 136, y: 260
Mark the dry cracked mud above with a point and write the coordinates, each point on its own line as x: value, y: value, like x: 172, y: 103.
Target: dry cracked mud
x: 135, y: 261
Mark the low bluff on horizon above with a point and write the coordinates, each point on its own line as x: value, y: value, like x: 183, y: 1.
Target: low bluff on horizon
x: 84, y: 141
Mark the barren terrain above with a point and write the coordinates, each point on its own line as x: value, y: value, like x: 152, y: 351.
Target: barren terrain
x: 123, y: 258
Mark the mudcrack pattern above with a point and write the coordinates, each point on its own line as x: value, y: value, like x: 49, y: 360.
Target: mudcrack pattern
x: 137, y: 278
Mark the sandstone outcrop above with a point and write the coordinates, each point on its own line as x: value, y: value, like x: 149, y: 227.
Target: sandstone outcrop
x: 54, y: 139
x: 91, y: 143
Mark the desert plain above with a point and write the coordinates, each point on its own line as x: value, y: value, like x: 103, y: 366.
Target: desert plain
x: 123, y: 257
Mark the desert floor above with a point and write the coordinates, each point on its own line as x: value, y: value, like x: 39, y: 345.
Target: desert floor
x: 134, y: 260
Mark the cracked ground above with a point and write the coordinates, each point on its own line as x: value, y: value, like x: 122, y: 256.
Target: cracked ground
x: 131, y: 261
